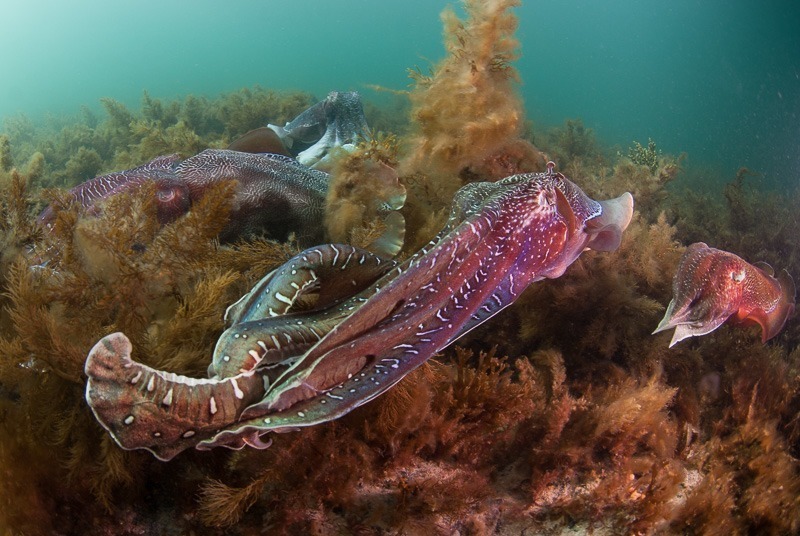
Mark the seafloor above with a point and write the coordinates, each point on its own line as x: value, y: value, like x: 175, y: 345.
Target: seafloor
x: 562, y: 415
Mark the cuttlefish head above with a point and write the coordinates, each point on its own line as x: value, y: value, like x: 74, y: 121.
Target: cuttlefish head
x: 590, y: 224
x: 338, y: 121
x: 712, y: 286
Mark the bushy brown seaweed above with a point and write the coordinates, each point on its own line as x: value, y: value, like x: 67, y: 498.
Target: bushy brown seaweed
x: 562, y: 411
x: 468, y: 111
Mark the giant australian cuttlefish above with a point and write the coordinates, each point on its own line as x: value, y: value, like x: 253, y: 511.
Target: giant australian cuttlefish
x: 280, y: 369
x: 275, y: 193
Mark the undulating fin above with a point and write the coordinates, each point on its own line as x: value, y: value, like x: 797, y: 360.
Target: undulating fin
x: 333, y: 271
x: 261, y: 335
x: 260, y: 140
x: 161, y: 412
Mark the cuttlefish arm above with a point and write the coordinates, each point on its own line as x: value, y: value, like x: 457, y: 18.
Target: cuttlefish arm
x: 712, y: 287
x: 510, y: 234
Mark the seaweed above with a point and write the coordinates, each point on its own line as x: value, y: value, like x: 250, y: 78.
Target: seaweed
x: 573, y: 143
x: 562, y: 411
x: 6, y: 160
x: 468, y: 110
x: 645, y: 156
x: 363, y: 188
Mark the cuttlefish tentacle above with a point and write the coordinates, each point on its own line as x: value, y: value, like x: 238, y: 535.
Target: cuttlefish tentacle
x: 500, y: 237
x: 264, y: 334
x: 161, y: 412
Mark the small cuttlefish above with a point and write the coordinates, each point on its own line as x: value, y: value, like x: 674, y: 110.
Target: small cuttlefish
x: 712, y: 286
x: 279, y: 367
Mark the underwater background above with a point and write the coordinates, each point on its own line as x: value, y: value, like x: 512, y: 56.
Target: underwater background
x: 718, y: 80
x: 562, y: 415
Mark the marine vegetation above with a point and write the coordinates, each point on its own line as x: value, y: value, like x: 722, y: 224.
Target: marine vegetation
x: 645, y: 156
x: 560, y: 413
x: 467, y: 116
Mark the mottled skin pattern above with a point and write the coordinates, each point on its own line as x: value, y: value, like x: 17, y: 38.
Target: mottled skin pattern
x: 500, y: 238
x: 334, y: 122
x: 712, y: 286
x: 172, y: 195
x: 274, y: 192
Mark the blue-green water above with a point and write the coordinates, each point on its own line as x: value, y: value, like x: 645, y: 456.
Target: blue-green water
x: 717, y: 79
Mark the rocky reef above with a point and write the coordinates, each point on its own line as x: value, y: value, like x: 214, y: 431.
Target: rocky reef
x: 563, y: 413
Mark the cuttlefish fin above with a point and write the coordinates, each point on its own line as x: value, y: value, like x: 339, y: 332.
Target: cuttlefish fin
x: 772, y: 321
x: 765, y: 267
x: 260, y: 140
x: 391, y: 241
x: 607, y: 228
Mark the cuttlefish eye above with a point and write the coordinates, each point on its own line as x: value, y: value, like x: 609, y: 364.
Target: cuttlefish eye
x: 166, y: 195
x: 737, y: 276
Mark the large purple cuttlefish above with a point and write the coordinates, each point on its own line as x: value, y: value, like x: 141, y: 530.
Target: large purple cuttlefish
x: 279, y: 367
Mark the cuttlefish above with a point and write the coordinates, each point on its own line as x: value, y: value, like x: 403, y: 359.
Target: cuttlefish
x: 280, y: 367
x: 336, y: 121
x: 275, y: 194
x: 712, y: 286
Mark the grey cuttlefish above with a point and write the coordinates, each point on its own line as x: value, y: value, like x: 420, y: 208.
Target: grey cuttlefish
x: 279, y: 367
x: 275, y: 194
x: 336, y: 121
